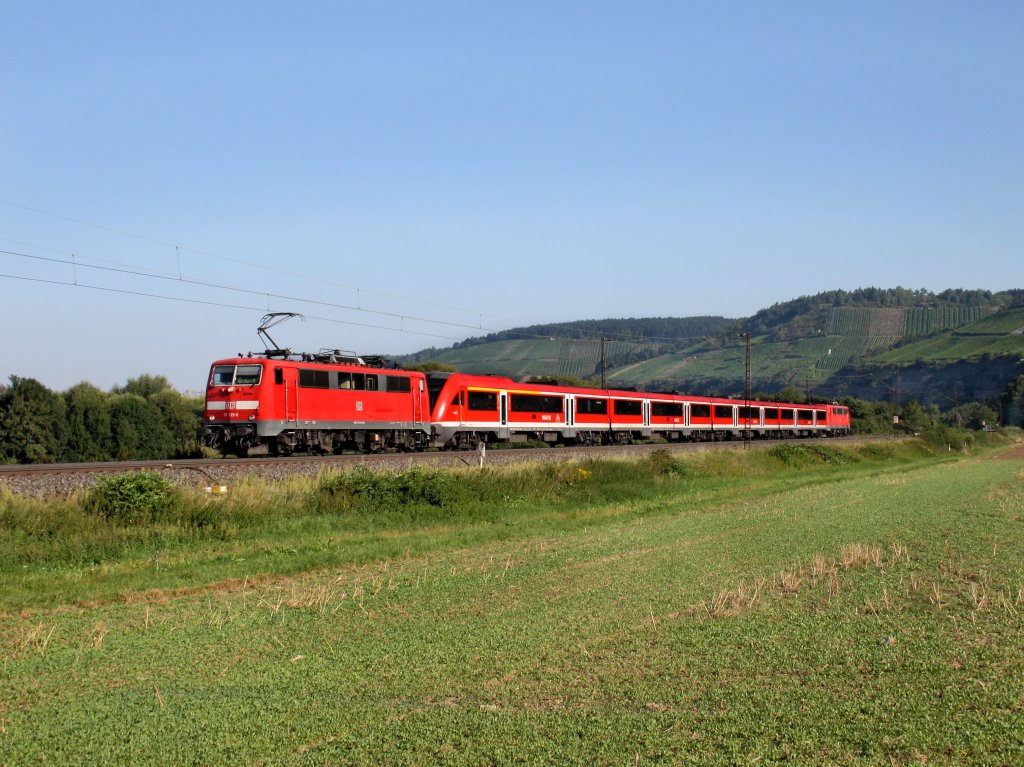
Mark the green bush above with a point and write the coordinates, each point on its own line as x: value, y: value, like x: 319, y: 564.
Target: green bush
x: 798, y: 456
x: 662, y: 464
x: 789, y: 454
x: 830, y: 454
x: 876, y: 451
x: 365, y: 490
x: 137, y: 498
x: 946, y: 437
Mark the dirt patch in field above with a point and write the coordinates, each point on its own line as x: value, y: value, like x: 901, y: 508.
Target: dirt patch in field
x: 1016, y: 453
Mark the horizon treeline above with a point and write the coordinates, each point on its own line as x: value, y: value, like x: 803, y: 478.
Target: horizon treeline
x: 146, y: 419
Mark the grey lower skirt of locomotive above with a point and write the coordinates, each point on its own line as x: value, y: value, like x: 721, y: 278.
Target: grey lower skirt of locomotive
x: 277, y: 438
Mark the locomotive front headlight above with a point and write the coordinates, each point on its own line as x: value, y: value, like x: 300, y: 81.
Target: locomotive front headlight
x: 252, y: 417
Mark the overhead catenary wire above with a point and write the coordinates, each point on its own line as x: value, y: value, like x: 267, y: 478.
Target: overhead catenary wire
x: 153, y: 274
x: 323, y: 281
x: 75, y: 264
x: 37, y: 246
x: 219, y: 304
x: 235, y: 289
x: 319, y: 279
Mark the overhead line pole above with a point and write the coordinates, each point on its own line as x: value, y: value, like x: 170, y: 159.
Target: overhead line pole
x: 746, y: 395
x: 604, y: 363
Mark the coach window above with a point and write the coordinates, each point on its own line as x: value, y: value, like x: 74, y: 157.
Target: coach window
x: 771, y: 413
x: 804, y: 415
x: 536, y: 403
x: 723, y: 411
x: 483, y: 400
x: 787, y: 415
x: 345, y: 381
x: 585, y: 406
x: 700, y: 411
x: 626, y: 406
x: 670, y: 409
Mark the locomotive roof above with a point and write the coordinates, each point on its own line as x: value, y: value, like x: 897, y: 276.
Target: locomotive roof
x: 323, y: 357
x: 369, y: 361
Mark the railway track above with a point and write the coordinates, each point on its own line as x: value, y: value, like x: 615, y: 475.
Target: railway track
x: 57, y: 479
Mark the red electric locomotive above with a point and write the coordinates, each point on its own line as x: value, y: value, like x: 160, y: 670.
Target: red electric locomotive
x: 320, y: 403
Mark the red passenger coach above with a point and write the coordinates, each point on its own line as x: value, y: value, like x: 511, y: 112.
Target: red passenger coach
x: 469, y: 409
x: 321, y: 403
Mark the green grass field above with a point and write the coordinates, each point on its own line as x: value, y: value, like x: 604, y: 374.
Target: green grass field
x: 862, y: 605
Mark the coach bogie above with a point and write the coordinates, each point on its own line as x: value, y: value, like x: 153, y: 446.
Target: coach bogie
x: 591, y: 438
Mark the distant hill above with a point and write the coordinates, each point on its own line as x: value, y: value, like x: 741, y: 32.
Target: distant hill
x: 574, y: 348
x: 951, y: 346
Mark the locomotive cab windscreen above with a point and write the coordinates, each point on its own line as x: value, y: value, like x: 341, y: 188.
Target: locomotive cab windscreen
x: 236, y: 375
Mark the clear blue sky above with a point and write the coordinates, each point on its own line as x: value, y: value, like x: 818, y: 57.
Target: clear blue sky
x: 486, y: 165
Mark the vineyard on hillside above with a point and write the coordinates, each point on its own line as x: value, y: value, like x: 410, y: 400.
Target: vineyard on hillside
x: 900, y: 322
x: 846, y: 348
x: 923, y: 321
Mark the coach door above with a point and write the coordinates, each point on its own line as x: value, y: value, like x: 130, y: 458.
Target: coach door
x: 417, y: 400
x: 503, y: 430
x: 291, y: 394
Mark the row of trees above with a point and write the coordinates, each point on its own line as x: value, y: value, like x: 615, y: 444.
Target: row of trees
x: 768, y: 321
x: 669, y: 332
x: 144, y: 419
x: 876, y: 417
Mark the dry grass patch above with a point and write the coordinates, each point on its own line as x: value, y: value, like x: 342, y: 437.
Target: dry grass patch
x: 29, y: 640
x: 746, y: 596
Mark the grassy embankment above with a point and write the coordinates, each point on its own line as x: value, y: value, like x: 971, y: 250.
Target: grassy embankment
x: 853, y: 606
